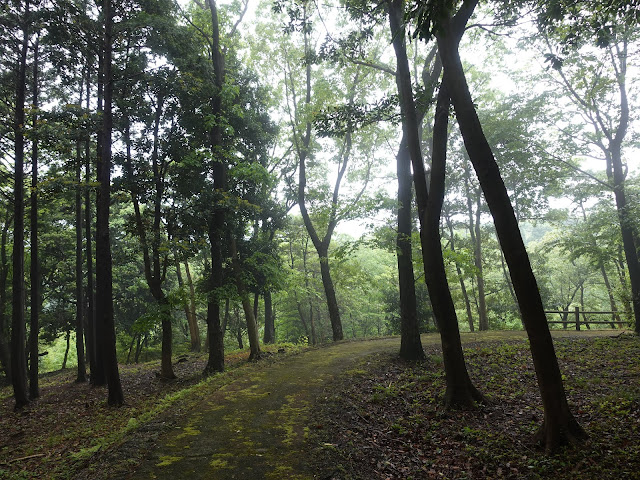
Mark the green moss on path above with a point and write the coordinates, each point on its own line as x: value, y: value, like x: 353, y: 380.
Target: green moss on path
x: 256, y: 427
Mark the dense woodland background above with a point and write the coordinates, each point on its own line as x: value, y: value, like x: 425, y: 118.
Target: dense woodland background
x: 197, y: 175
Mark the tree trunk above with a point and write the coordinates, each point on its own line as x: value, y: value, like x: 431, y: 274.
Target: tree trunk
x: 90, y: 292
x: 194, y: 332
x: 215, y: 334
x: 507, y: 278
x: 483, y: 319
x: 82, y: 369
x: 615, y: 316
x: 195, y: 340
x: 269, y: 320
x: 463, y: 287
x: 410, y: 343
x: 312, y: 323
x: 216, y: 222
x: 67, y: 339
x: 330, y: 292
x: 106, y: 332
x: 321, y: 245
x: 166, y: 368
x: 460, y: 390
x: 626, y: 229
x: 559, y: 424
x: 5, y: 351
x: 476, y: 241
x: 252, y: 327
x: 34, y: 326
x: 18, y: 334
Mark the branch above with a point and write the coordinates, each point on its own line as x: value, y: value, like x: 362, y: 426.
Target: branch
x: 376, y: 66
x: 242, y: 14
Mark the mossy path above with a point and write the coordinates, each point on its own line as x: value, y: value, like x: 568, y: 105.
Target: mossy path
x: 256, y: 426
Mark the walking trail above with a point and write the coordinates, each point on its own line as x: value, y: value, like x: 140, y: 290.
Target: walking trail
x: 256, y: 426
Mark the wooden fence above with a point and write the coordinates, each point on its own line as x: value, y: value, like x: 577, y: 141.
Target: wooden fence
x: 575, y: 318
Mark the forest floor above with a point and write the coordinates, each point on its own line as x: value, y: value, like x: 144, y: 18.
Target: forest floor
x: 350, y: 410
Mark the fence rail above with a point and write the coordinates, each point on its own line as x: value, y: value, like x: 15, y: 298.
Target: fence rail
x: 576, y: 318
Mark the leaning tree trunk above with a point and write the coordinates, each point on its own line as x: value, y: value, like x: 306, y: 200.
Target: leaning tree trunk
x: 194, y: 332
x: 626, y: 229
x: 460, y: 390
x: 559, y: 424
x: 476, y: 241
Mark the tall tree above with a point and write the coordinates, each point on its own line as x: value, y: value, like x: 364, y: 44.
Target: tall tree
x: 596, y: 83
x: 80, y: 351
x: 216, y: 220
x: 106, y: 334
x: 34, y: 326
x: 437, y: 18
x: 18, y: 354
x: 460, y: 391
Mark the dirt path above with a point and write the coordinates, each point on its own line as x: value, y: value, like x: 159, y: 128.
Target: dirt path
x: 255, y: 427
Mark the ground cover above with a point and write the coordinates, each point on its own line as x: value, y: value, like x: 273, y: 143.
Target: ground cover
x: 385, y: 419
x: 348, y: 411
x: 69, y: 427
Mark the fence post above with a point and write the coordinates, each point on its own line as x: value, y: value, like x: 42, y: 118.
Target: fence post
x: 577, y: 318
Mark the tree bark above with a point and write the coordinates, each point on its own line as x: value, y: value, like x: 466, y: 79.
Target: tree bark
x: 252, y: 327
x: 410, y: 343
x: 99, y: 373
x: 476, y: 241
x: 269, y: 321
x: 5, y: 351
x: 463, y: 287
x: 615, y: 316
x: 82, y: 369
x: 106, y: 333
x: 216, y: 222
x: 18, y: 334
x: 192, y: 306
x: 559, y: 425
x: 460, y: 391
x: 189, y: 308
x: 34, y: 275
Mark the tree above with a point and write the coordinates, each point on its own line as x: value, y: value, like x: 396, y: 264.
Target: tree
x: 105, y: 324
x: 34, y: 327
x: 436, y: 18
x: 18, y: 356
x: 459, y: 391
x: 595, y: 80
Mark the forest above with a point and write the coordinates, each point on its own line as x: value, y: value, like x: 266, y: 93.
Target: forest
x: 200, y: 177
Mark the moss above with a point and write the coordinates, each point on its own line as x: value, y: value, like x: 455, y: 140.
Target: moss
x: 167, y: 460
